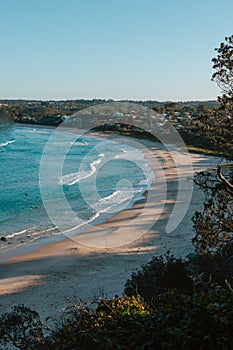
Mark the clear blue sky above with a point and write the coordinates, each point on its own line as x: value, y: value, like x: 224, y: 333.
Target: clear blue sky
x: 119, y: 49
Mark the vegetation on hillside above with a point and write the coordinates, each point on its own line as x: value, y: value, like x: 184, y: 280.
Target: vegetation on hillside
x: 168, y: 304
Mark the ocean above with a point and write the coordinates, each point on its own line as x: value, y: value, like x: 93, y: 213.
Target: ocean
x: 98, y: 178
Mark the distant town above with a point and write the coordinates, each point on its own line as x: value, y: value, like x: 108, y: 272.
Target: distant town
x: 198, y: 122
x: 181, y: 114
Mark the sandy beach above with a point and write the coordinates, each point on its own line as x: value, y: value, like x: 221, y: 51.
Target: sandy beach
x: 98, y: 262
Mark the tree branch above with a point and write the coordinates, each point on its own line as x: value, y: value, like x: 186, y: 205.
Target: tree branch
x: 227, y: 184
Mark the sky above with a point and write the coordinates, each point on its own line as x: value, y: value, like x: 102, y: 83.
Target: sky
x: 111, y: 49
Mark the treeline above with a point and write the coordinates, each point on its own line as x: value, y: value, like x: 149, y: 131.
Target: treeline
x: 201, y: 123
x: 50, y: 112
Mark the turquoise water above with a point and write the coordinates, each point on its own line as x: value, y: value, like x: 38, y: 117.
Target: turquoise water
x: 97, y: 177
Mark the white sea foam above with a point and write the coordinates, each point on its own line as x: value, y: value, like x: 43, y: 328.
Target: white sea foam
x: 119, y: 197
x: 111, y: 205
x: 132, y: 155
x: 33, y: 130
x: 32, y: 231
x: 71, y: 143
x: 79, y: 143
x: 88, y: 221
x: 143, y: 182
x: 115, y: 199
x: 4, y: 144
x: 118, y: 200
x: 16, y: 233
x: 73, y: 178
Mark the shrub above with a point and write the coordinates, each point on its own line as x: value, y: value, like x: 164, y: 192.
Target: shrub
x: 212, y: 270
x: 158, y: 276
x: 176, y: 313
x: 189, y: 322
x: 21, y: 327
x: 213, y: 225
x: 114, y: 324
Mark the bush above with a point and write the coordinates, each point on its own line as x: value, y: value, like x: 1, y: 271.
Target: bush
x: 114, y: 325
x: 181, y: 308
x: 200, y: 321
x: 21, y: 327
x: 212, y: 270
x: 158, y: 276
x: 213, y: 225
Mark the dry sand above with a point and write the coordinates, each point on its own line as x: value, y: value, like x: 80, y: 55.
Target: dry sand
x: 48, y: 277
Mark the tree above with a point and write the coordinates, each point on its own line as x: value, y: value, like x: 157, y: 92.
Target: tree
x: 22, y: 328
x: 228, y: 186
x: 214, y: 224
x: 223, y: 64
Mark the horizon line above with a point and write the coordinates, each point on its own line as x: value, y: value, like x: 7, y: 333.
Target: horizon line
x: 107, y: 100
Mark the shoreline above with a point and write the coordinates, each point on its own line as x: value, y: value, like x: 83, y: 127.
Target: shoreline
x: 46, y: 278
x: 29, y: 248
x: 16, y: 249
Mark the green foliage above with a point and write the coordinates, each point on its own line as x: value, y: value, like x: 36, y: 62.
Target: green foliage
x: 200, y: 321
x: 214, y: 224
x: 189, y: 307
x: 212, y: 129
x: 22, y: 327
x: 212, y: 270
x: 158, y: 276
x: 121, y: 306
x: 223, y: 76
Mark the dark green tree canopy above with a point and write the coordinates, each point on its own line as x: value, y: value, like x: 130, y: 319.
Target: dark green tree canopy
x: 223, y: 75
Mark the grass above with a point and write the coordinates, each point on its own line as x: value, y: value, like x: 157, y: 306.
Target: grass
x: 195, y: 149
